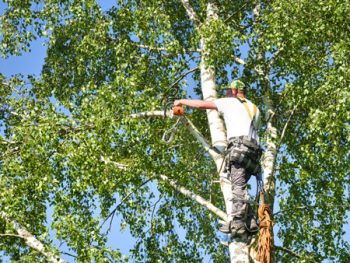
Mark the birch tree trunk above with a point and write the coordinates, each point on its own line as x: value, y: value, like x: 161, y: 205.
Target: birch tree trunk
x: 269, y: 158
x: 239, y: 251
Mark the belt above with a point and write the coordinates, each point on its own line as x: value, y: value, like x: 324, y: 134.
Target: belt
x: 236, y: 139
x: 240, y: 139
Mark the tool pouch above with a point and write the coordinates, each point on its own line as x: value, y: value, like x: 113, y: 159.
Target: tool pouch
x: 245, y: 152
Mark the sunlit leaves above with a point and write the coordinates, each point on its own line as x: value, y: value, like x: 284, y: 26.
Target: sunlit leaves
x: 66, y: 131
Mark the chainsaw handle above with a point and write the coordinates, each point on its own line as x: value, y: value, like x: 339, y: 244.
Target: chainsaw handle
x: 178, y: 110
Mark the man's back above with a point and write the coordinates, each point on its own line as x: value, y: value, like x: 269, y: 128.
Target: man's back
x: 236, y: 116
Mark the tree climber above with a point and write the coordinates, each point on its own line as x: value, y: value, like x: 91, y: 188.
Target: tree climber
x: 242, y: 120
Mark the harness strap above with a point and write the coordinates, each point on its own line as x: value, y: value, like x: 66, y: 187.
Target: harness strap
x: 255, y: 109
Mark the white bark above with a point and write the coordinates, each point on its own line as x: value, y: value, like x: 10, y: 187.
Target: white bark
x: 191, y: 128
x: 196, y: 198
x: 238, y: 60
x: 157, y: 113
x: 216, y: 124
x: 190, y: 12
x: 216, y: 156
x: 215, y: 210
x: 31, y: 241
x: 268, y: 162
x: 238, y: 250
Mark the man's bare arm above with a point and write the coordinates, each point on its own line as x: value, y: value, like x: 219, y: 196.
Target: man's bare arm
x: 199, y: 104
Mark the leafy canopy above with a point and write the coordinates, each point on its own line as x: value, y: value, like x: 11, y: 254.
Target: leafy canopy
x: 66, y: 130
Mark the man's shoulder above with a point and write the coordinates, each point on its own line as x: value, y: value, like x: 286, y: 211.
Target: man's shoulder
x: 250, y: 102
x: 226, y: 99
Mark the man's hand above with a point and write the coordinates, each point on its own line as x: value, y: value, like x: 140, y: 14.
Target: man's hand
x: 177, y: 103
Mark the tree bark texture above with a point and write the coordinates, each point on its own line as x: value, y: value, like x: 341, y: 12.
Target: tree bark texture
x: 31, y: 240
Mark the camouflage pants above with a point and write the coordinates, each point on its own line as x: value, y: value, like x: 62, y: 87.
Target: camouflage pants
x: 239, y: 179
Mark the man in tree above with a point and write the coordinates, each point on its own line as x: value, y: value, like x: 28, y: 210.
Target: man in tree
x: 242, y: 120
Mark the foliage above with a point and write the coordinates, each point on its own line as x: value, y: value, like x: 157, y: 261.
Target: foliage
x: 65, y: 130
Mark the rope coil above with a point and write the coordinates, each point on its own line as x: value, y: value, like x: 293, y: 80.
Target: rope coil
x: 265, y: 237
x: 169, y: 135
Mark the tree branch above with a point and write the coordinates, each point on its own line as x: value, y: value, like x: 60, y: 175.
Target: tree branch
x: 165, y: 49
x: 274, y: 57
x: 213, y: 152
x: 291, y: 252
x: 69, y: 254
x: 196, y: 198
x: 152, y: 215
x: 238, y: 60
x: 182, y: 190
x: 190, y: 12
x: 152, y: 114
x: 286, y: 125
x: 31, y: 241
x: 107, y: 161
x: 10, y: 235
x: 150, y: 47
x: 306, y: 207
x: 183, y: 75
x: 110, y: 39
x: 112, y: 214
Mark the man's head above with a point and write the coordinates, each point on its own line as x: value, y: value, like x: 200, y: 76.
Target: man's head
x: 237, y: 87
x: 237, y: 84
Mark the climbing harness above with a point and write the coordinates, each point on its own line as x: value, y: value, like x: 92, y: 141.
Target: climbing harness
x: 244, y: 150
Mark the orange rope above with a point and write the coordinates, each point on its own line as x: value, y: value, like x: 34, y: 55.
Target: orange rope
x: 265, y: 237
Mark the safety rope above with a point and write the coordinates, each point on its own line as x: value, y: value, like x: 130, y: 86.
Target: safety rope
x: 169, y: 135
x: 265, y: 237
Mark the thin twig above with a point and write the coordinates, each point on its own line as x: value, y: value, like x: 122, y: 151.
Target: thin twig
x: 152, y: 215
x: 291, y: 252
x: 10, y: 235
x: 274, y: 57
x: 286, y: 125
x: 215, y: 210
x: 69, y: 254
x: 238, y: 10
x: 112, y: 214
x: 183, y: 75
